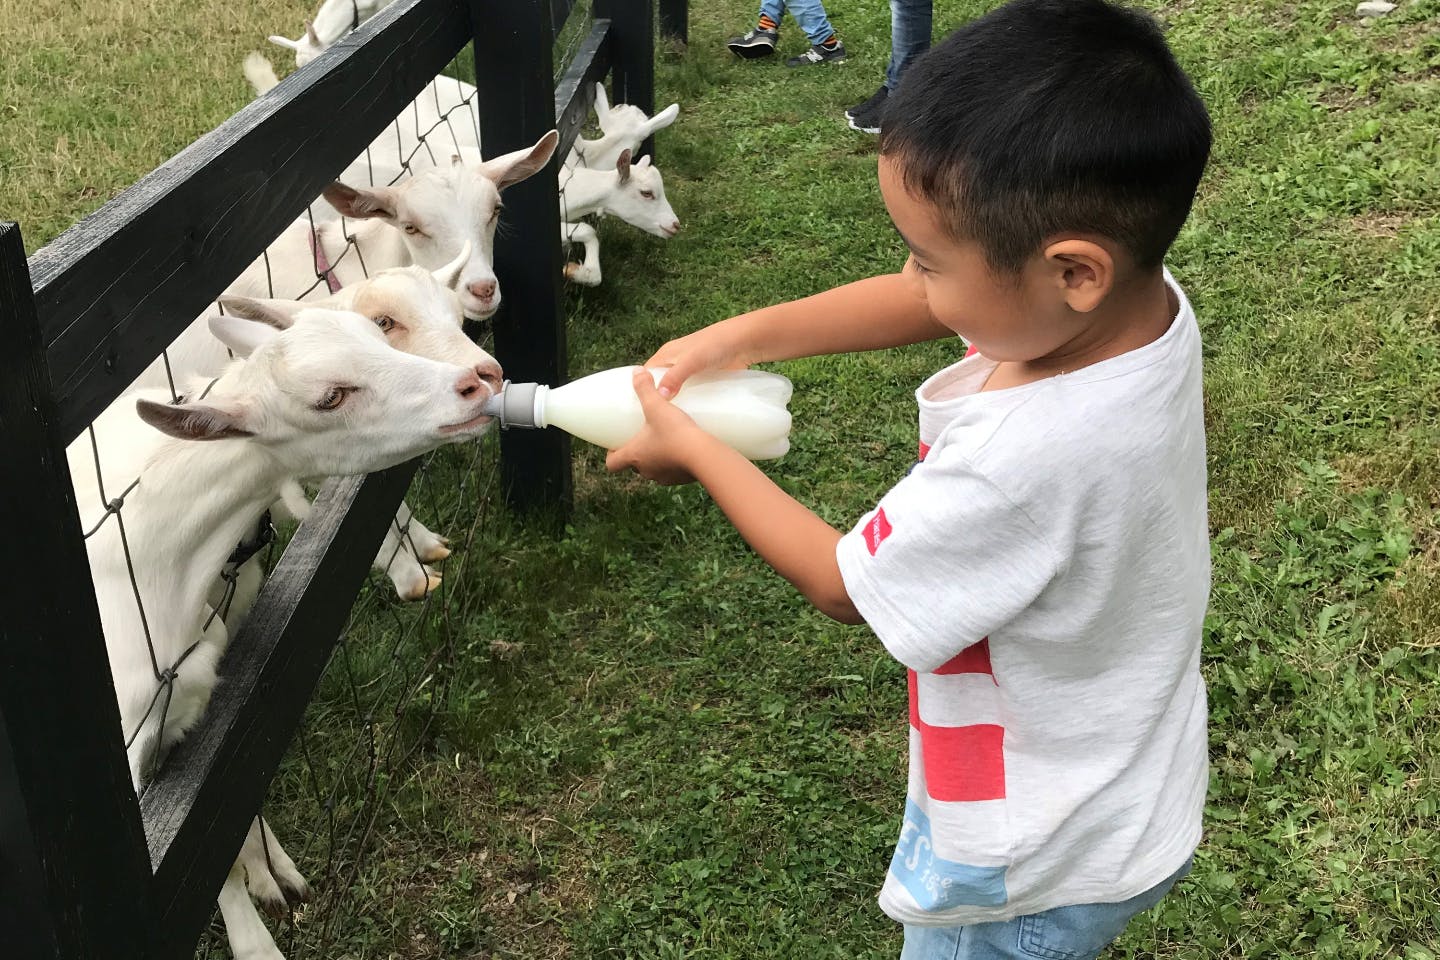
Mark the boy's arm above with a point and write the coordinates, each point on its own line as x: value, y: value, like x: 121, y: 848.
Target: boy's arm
x: 870, y: 314
x: 785, y: 533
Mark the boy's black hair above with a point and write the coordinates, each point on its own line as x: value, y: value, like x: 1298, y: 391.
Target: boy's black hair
x: 1049, y: 116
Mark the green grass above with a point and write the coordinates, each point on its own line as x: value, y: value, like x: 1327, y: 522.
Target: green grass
x: 634, y: 741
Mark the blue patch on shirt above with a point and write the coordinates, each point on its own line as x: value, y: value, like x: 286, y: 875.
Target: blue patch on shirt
x: 937, y: 883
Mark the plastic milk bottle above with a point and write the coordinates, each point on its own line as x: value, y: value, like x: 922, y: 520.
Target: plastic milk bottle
x: 743, y: 408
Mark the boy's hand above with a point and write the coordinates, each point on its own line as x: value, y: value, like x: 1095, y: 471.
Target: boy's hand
x: 661, y: 450
x: 710, y: 348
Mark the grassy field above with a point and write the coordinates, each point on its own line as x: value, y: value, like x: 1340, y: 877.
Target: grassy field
x: 641, y: 744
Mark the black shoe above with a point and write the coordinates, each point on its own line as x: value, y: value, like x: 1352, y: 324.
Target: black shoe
x: 867, y: 116
x: 755, y: 44
x: 876, y: 99
x: 818, y: 54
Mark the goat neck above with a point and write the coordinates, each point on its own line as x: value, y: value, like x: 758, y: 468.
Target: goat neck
x: 584, y: 191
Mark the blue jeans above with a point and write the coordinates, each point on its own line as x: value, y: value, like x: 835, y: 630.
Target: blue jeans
x: 1064, y: 933
x: 810, y: 14
x: 909, y: 36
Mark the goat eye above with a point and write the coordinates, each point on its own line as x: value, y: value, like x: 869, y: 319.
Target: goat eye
x: 410, y: 228
x: 386, y: 324
x: 332, y: 399
x: 648, y: 194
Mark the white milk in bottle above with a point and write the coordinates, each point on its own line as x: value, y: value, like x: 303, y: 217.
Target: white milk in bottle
x: 745, y: 409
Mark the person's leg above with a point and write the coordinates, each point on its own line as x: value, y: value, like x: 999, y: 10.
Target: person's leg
x: 760, y: 41
x: 910, y: 24
x: 1078, y: 932
x: 770, y: 13
x: 811, y: 16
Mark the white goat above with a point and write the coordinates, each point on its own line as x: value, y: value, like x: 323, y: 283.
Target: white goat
x: 333, y: 20
x: 325, y: 397
x: 633, y: 192
x: 418, y: 313
x: 622, y: 127
x: 426, y: 221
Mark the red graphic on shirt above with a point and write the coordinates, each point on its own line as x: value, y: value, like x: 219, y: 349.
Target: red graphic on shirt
x: 973, y: 659
x: 961, y: 763
x: 877, y: 530
x: 971, y: 351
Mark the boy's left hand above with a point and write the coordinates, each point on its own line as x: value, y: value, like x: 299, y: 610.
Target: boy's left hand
x: 661, y: 450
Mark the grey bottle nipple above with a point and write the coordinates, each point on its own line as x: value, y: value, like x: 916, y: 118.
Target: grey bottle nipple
x: 514, y: 405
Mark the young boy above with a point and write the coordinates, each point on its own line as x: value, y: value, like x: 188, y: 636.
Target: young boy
x: 1043, y: 571
x: 825, y: 46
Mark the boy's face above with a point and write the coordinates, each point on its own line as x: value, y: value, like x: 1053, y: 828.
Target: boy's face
x: 1012, y: 319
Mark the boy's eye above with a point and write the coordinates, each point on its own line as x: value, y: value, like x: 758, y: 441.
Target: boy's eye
x: 919, y: 267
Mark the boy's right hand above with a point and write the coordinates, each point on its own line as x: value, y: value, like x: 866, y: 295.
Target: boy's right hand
x: 709, y: 348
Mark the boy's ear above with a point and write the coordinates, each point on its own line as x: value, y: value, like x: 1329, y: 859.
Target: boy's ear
x: 1083, y: 271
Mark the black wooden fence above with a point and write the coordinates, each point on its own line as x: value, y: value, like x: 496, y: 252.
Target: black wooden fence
x: 85, y: 870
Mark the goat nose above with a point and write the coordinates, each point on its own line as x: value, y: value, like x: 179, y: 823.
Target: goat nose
x: 491, y: 375
x: 483, y: 290
x: 468, y: 385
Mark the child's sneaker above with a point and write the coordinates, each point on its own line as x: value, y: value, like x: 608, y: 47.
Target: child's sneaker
x: 819, y: 53
x: 755, y: 44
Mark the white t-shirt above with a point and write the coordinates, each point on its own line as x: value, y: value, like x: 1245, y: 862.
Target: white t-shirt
x: 1043, y: 572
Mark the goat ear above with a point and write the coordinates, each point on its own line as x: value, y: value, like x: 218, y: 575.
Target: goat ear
x: 662, y: 119
x: 279, y: 314
x: 623, y: 165
x: 285, y: 42
x: 311, y: 35
x: 360, y: 203
x: 194, y: 421
x: 241, y: 335
x: 643, y: 161
x: 511, y: 168
x: 449, y: 275
x: 602, y: 102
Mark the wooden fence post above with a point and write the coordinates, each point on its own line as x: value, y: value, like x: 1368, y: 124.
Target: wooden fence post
x: 675, y: 20
x: 515, y: 76
x: 632, y: 38
x: 74, y: 870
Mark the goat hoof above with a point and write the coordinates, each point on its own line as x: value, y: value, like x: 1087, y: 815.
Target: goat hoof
x: 276, y: 908
x: 583, y: 275
x: 296, y: 891
x: 419, y: 591
x: 435, y: 553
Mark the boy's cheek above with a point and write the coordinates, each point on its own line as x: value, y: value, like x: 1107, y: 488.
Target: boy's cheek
x: 948, y: 308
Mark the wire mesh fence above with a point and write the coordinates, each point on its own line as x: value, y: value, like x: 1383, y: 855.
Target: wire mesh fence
x: 376, y: 703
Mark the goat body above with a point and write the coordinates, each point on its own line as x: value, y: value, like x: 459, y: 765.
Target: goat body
x: 269, y: 420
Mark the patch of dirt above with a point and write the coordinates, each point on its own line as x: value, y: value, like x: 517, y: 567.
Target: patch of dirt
x: 1378, y: 225
x: 1341, y: 99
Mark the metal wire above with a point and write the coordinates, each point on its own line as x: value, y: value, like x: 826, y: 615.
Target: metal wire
x: 378, y: 698
x: 375, y: 703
